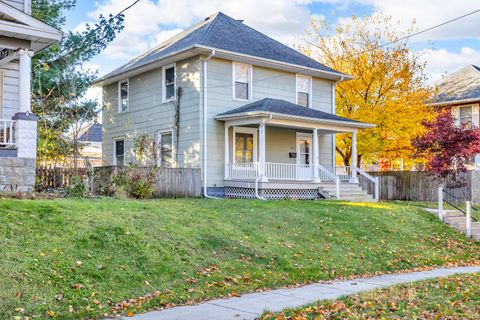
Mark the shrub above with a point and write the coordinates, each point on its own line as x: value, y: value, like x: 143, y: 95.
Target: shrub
x: 76, y: 187
x: 137, y: 182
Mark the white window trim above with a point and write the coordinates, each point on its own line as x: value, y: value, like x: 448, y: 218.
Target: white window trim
x: 115, y: 150
x: 475, y: 114
x: 310, y: 94
x: 174, y: 151
x: 253, y: 131
x: 120, y: 95
x: 250, y: 81
x: 164, y: 87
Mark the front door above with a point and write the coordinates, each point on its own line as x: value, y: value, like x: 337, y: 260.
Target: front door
x: 304, y: 156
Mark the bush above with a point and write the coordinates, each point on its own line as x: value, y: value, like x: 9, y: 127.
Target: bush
x: 137, y: 182
x: 76, y: 188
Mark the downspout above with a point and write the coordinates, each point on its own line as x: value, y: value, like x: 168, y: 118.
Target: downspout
x: 205, y: 193
x: 257, y: 195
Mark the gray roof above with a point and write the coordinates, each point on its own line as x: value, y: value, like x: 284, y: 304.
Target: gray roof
x: 278, y: 106
x: 92, y: 133
x: 459, y: 86
x: 222, y: 32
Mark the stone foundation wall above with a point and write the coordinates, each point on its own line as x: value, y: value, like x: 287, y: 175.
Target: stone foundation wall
x: 17, y: 174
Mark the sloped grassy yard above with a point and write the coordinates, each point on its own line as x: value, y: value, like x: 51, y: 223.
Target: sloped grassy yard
x: 80, y: 258
x: 455, y: 297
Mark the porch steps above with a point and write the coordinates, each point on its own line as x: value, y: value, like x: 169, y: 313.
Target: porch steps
x: 348, y: 192
x: 456, y: 220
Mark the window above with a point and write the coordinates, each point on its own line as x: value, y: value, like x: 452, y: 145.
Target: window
x: 169, y: 82
x: 304, y: 91
x: 123, y: 96
x: 165, y: 149
x: 242, y: 81
x: 119, y: 158
x: 245, y: 145
x: 466, y: 116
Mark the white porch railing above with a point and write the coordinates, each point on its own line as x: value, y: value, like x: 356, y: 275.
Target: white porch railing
x: 287, y: 171
x: 374, y: 180
x: 327, y: 175
x: 7, y: 137
x: 242, y: 170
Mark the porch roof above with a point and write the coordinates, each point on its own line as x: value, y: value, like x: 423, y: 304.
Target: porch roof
x: 277, y: 108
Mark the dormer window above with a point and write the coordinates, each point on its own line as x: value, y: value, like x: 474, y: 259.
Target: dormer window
x: 242, y: 81
x: 169, y: 82
x: 304, y: 91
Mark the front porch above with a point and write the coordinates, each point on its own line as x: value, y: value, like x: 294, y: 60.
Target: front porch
x: 275, y: 155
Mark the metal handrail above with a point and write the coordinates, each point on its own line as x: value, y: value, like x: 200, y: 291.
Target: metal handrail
x: 454, y: 206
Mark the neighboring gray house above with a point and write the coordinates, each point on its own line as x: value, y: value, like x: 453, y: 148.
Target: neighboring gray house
x: 257, y: 116
x: 21, y: 36
x: 460, y: 91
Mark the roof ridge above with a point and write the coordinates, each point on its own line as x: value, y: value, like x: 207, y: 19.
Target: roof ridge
x: 214, y: 20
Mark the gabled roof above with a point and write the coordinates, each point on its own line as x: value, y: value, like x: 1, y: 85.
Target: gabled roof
x: 460, y: 86
x: 221, y: 32
x: 17, y: 24
x: 269, y: 106
x: 91, y: 133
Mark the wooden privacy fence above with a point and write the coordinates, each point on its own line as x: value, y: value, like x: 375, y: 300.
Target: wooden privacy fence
x: 168, y: 182
x: 55, y: 178
x: 419, y: 186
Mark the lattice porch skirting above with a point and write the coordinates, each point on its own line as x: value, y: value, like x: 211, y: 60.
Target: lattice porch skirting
x: 273, y: 194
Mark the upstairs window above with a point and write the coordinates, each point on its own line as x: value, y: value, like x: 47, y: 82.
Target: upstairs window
x: 466, y: 116
x: 123, y: 96
x: 304, y: 91
x: 169, y: 82
x: 119, y: 146
x: 165, y: 149
x: 242, y: 81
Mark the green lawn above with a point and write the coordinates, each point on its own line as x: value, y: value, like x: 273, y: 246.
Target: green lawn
x: 455, y: 297
x: 80, y: 258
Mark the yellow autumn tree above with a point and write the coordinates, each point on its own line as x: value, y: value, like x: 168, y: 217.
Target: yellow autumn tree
x: 387, y: 89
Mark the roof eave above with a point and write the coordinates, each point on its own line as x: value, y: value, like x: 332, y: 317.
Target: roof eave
x: 358, y: 125
x: 460, y: 101
x: 199, y: 49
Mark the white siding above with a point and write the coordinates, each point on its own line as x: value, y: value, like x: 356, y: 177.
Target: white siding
x: 10, y: 90
x: 19, y: 4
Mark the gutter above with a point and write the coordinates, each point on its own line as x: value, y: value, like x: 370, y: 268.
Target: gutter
x: 205, y: 153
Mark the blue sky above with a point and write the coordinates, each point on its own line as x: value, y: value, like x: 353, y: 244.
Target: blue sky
x: 150, y: 22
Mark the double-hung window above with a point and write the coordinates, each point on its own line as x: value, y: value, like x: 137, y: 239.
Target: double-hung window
x: 169, y: 82
x: 123, y: 92
x: 304, y: 91
x: 119, y: 151
x: 242, y: 81
x: 165, y: 148
x: 466, y: 116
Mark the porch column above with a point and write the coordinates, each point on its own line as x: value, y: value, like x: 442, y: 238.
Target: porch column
x: 261, y: 152
x: 354, y: 158
x: 25, y: 70
x: 227, y: 153
x: 316, y: 157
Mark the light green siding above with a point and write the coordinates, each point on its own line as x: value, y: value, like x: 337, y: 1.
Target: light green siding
x: 266, y: 83
x: 147, y: 113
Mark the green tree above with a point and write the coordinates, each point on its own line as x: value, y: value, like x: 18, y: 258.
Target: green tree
x: 60, y: 81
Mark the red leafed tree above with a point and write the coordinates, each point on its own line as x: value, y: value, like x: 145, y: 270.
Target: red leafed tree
x: 448, y: 147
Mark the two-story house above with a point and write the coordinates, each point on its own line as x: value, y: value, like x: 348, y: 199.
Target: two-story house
x: 21, y: 36
x: 460, y: 91
x: 255, y: 115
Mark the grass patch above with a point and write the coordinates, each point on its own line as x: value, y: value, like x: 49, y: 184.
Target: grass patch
x: 454, y: 297
x: 82, y: 258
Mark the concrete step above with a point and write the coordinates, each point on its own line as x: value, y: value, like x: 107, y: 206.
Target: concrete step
x: 454, y: 220
x: 476, y: 237
x: 451, y: 213
x: 463, y: 226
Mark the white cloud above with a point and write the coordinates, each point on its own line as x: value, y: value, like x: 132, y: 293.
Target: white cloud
x: 442, y: 62
x: 151, y: 22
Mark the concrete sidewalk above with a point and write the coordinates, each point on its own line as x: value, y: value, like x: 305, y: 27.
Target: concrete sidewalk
x: 250, y: 306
